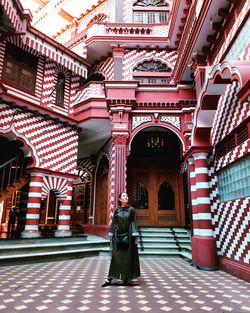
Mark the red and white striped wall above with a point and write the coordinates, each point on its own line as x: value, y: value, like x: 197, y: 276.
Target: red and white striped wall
x: 230, y: 113
x: 12, y: 13
x: 232, y: 33
x: 106, y: 67
x: 133, y: 57
x: 54, y: 145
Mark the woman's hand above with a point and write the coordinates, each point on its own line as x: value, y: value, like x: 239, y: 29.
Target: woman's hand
x: 136, y: 240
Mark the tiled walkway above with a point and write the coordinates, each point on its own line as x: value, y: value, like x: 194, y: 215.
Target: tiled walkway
x: 166, y: 285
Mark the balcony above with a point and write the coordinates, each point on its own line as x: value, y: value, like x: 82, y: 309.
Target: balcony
x: 101, y: 36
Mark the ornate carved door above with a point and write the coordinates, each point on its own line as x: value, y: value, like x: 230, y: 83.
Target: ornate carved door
x: 156, y: 191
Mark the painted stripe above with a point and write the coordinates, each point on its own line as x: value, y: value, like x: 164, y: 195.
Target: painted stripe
x: 64, y: 217
x: 63, y: 227
x: 201, y: 170
x: 32, y: 216
x: 202, y: 185
x: 35, y: 194
x: 35, y: 184
x: 202, y: 216
x: 65, y: 207
x: 33, y: 205
x: 203, y: 232
x: 31, y: 227
x: 201, y: 200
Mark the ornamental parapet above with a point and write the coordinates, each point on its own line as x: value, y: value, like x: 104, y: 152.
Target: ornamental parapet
x: 92, y: 90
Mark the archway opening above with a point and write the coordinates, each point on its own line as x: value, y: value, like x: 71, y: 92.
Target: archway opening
x: 101, y: 202
x: 13, y: 181
x: 154, y: 182
x: 81, y: 200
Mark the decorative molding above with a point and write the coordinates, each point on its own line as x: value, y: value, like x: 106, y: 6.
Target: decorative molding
x: 119, y: 139
x: 138, y: 120
x: 173, y: 120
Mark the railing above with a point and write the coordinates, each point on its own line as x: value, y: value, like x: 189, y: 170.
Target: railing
x: 11, y: 171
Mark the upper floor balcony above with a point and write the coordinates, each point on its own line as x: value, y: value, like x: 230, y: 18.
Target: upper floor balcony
x: 100, y: 37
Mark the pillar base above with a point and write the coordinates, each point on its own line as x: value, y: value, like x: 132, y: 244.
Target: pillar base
x: 63, y: 234
x: 30, y: 234
x: 207, y: 268
x: 204, y: 253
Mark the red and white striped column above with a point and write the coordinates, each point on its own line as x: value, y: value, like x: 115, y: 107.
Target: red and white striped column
x: 63, y: 228
x: 33, y: 206
x: 192, y: 183
x: 203, y: 241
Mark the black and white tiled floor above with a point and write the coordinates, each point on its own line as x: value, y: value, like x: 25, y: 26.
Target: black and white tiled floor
x: 166, y: 285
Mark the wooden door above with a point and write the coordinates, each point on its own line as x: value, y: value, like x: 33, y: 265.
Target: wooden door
x: 156, y: 192
x: 101, y: 200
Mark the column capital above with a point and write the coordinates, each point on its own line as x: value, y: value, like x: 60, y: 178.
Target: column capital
x: 118, y: 51
x: 200, y: 155
x: 120, y: 139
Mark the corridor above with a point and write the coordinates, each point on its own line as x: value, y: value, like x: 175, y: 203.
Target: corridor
x: 166, y: 285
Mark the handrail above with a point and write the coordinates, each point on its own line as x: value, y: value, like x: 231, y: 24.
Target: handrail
x: 10, y: 171
x: 6, y: 163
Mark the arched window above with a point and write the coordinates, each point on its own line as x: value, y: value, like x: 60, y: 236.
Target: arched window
x: 166, y: 197
x: 60, y: 89
x: 150, y: 12
x: 152, y: 72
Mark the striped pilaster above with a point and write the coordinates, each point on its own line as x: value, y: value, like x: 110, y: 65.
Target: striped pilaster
x: 192, y: 183
x: 203, y: 241
x: 120, y: 166
x: 63, y: 228
x: 112, y: 203
x: 33, y: 206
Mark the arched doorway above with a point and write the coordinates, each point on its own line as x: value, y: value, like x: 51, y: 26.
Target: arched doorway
x: 154, y: 182
x: 13, y: 179
x: 101, y: 197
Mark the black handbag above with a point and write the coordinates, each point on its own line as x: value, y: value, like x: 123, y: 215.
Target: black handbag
x: 122, y: 241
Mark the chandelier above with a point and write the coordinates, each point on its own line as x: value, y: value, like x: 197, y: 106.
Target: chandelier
x: 156, y: 140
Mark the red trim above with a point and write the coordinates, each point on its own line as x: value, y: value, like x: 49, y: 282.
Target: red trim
x: 235, y: 268
x: 49, y: 172
x: 59, y: 46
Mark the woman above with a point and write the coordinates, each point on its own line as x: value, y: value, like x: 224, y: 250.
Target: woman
x: 124, y: 236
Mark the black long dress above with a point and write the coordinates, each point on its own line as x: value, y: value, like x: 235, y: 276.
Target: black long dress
x: 124, y: 263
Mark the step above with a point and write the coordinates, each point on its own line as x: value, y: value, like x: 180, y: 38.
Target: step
x: 167, y: 236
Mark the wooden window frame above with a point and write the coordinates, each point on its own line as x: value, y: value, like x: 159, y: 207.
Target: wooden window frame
x: 14, y: 73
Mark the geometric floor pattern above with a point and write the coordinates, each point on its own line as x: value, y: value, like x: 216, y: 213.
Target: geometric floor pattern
x: 165, y: 285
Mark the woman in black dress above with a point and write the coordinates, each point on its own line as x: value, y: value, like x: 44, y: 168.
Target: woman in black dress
x: 124, y: 236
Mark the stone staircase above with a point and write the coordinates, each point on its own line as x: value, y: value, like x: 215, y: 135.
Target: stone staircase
x: 50, y: 249
x: 167, y: 242
x: 160, y: 242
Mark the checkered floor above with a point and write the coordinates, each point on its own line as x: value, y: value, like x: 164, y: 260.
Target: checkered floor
x: 166, y: 285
